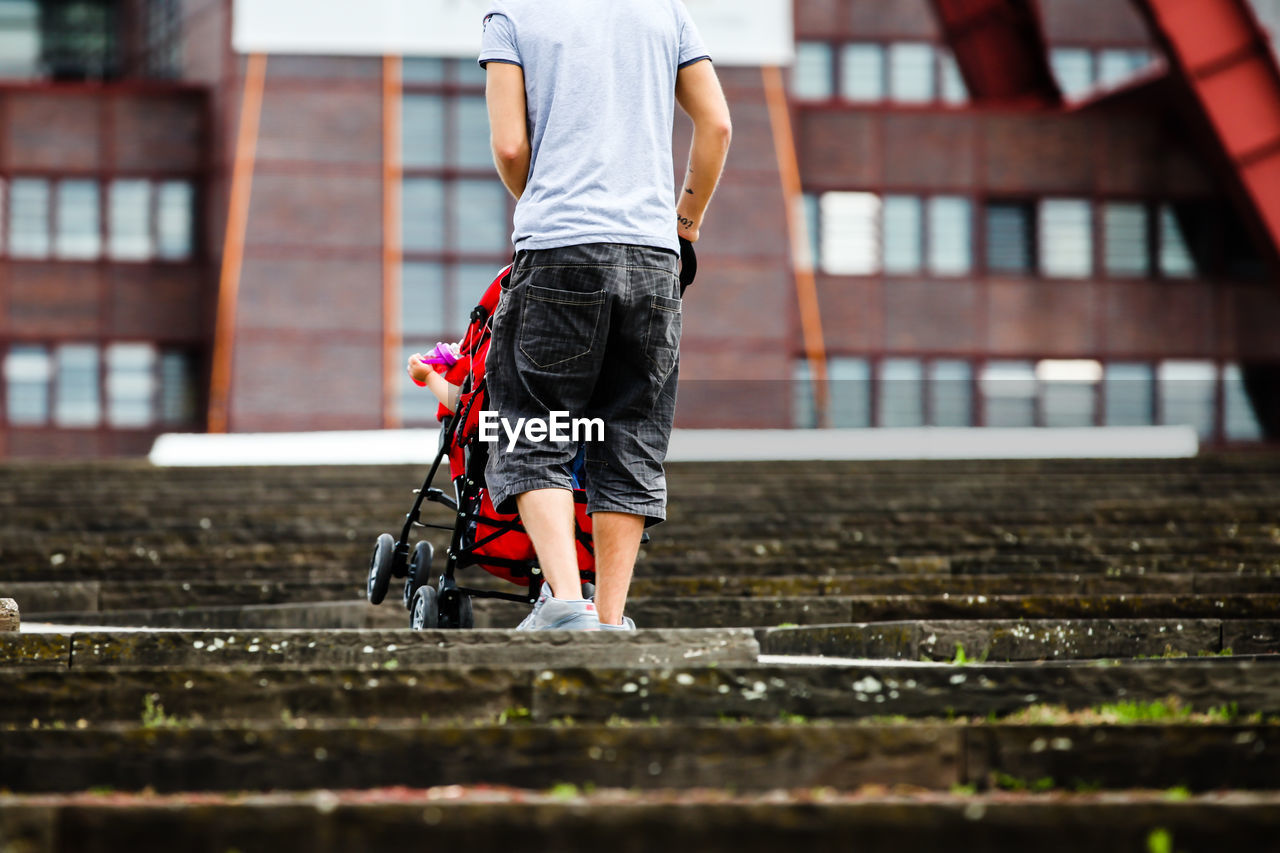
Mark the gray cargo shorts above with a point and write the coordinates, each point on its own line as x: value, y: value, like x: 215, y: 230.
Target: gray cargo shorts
x: 594, y: 331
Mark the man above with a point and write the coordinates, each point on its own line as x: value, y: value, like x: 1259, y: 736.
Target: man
x: 581, y: 97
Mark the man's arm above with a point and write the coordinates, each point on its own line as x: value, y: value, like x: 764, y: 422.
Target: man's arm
x: 698, y: 91
x: 508, y: 124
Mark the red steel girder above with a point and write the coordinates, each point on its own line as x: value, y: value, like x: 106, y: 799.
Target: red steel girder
x: 1219, y: 50
x: 1000, y: 48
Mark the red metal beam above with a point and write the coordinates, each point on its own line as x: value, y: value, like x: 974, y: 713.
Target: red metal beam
x: 1220, y: 52
x: 1000, y: 48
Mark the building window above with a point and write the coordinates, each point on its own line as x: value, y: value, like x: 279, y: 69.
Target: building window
x: 1074, y: 69
x: 130, y: 220
x: 27, y: 371
x: 422, y: 132
x: 1066, y: 238
x: 164, y: 38
x: 862, y: 73
x: 422, y: 212
x: 1125, y: 240
x: 177, y: 403
x: 1188, y: 394
x: 79, y: 229
x: 79, y: 39
x: 911, y: 73
x: 1239, y: 421
x: 29, y: 218
x: 424, y: 70
x: 68, y: 387
x: 950, y: 235
x: 1176, y: 260
x: 903, y: 234
x: 901, y: 392
x: 1009, y: 393
x: 456, y: 220
x: 811, y: 76
x: 175, y: 220
x: 1069, y: 392
x: 1010, y: 238
x: 423, y: 304
x: 77, y: 402
x: 950, y: 393
x: 804, y: 413
x: 19, y: 39
x: 1115, y: 66
x: 850, y: 242
x: 809, y: 210
x: 131, y: 385
x: 850, y: 396
x: 954, y: 90
x: 480, y: 221
x: 1128, y: 394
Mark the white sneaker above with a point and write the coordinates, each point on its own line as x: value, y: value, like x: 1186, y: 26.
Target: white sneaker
x: 627, y: 625
x: 552, y: 614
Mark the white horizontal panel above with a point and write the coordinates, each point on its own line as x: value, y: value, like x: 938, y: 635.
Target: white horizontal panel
x: 737, y: 32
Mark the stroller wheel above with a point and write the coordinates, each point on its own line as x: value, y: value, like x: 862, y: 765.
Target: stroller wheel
x: 380, y: 568
x: 466, y: 615
x: 455, y: 609
x: 426, y: 609
x: 419, y: 571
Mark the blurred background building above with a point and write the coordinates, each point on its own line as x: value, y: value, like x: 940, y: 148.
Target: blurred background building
x: 1075, y: 250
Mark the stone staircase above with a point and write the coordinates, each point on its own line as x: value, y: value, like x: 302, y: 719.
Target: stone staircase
x: 879, y: 656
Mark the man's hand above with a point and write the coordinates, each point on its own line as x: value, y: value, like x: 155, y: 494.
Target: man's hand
x: 686, y: 228
x: 508, y: 124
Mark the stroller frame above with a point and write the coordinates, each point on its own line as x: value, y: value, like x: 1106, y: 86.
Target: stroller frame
x: 444, y: 603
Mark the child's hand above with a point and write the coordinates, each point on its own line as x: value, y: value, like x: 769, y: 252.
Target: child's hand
x: 419, y: 370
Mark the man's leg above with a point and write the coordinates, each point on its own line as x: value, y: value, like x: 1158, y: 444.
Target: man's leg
x: 548, y: 517
x: 617, y: 542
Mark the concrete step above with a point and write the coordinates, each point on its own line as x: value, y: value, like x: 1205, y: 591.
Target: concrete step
x: 89, y: 649
x: 749, y: 757
x: 88, y: 596
x: 494, y: 820
x: 461, y: 687
x: 1027, y: 640
x: 711, y: 612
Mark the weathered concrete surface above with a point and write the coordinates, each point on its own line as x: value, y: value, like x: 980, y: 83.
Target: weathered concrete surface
x: 174, y: 588
x: 501, y: 821
x: 1251, y: 637
x: 764, y: 693
x: 10, y: 618
x: 749, y: 758
x: 670, y: 647
x: 284, y: 693
x: 714, y: 612
x: 1023, y: 640
x: 1199, y: 758
x: 34, y: 650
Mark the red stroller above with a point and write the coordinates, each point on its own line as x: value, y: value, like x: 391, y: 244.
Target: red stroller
x: 481, y: 536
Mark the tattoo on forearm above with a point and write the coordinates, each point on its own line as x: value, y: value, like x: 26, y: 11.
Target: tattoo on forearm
x: 689, y: 191
x: 687, y: 223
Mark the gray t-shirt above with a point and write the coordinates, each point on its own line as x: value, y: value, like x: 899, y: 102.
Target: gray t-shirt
x: 600, y: 79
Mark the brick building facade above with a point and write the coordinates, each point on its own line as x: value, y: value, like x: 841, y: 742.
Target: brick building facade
x: 973, y: 265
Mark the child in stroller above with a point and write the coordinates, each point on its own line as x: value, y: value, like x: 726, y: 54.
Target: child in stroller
x: 480, y: 536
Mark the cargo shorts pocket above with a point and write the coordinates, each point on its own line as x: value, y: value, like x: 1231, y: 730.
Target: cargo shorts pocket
x: 558, y: 325
x: 662, y: 342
